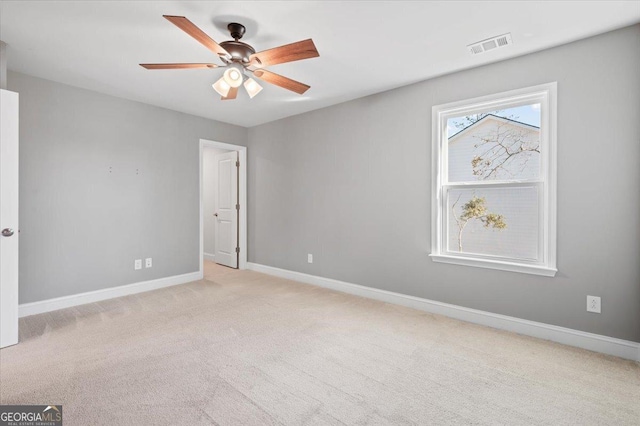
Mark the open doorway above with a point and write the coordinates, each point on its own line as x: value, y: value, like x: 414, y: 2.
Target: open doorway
x: 223, y: 195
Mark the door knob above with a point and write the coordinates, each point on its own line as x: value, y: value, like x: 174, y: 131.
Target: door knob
x: 7, y: 232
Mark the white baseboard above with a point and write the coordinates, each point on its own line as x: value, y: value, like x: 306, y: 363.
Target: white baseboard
x: 49, y: 305
x: 209, y: 256
x: 594, y: 342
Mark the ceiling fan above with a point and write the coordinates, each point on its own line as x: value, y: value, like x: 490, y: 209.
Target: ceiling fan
x: 240, y: 58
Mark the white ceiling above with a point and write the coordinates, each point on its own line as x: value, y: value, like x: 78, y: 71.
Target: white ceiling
x: 365, y: 46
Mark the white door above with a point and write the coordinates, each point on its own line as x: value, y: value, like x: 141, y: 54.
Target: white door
x: 8, y: 218
x: 227, y: 209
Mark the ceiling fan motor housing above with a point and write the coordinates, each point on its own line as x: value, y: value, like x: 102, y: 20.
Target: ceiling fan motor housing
x: 239, y: 51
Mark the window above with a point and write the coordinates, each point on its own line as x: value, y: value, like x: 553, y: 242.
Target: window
x: 494, y: 181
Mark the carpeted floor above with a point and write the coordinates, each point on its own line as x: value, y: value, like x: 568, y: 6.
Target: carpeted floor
x: 242, y: 348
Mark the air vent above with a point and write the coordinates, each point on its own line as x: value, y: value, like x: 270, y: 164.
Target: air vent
x: 490, y: 44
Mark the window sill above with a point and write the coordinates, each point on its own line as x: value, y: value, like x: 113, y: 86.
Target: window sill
x: 495, y: 264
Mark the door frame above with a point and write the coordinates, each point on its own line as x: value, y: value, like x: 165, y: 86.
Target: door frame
x: 242, y: 199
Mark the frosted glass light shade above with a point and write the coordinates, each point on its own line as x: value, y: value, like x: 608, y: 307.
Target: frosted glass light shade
x: 221, y: 87
x: 232, y: 77
x: 252, y: 87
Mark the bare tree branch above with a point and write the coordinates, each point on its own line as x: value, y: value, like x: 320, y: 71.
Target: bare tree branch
x: 503, y: 146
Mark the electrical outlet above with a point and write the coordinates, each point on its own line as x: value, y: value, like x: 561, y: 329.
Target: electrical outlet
x: 137, y: 264
x: 310, y: 258
x: 593, y: 304
x: 148, y: 262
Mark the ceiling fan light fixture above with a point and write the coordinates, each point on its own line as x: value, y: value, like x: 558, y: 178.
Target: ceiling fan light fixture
x: 233, y: 76
x: 252, y: 87
x: 221, y: 87
x: 240, y: 58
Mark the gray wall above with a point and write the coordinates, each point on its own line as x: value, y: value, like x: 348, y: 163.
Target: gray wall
x: 351, y: 184
x: 209, y: 191
x: 104, y: 181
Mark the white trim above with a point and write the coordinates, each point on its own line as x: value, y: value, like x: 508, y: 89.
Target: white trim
x: 593, y: 342
x: 495, y: 264
x: 49, y: 305
x: 242, y: 200
x: 209, y: 256
x: 546, y: 94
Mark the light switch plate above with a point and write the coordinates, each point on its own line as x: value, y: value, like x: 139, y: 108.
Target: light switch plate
x: 137, y: 264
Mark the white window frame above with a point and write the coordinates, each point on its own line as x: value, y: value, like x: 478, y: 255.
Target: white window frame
x: 546, y: 95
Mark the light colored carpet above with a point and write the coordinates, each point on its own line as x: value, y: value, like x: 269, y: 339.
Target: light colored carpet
x: 242, y: 348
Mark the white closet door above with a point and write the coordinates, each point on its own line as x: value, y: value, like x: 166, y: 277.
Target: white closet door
x: 227, y: 209
x: 8, y: 218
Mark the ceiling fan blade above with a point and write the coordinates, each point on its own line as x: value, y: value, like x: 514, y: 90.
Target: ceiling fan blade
x: 176, y: 66
x: 288, y: 53
x: 284, y: 82
x: 233, y: 92
x: 189, y: 27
